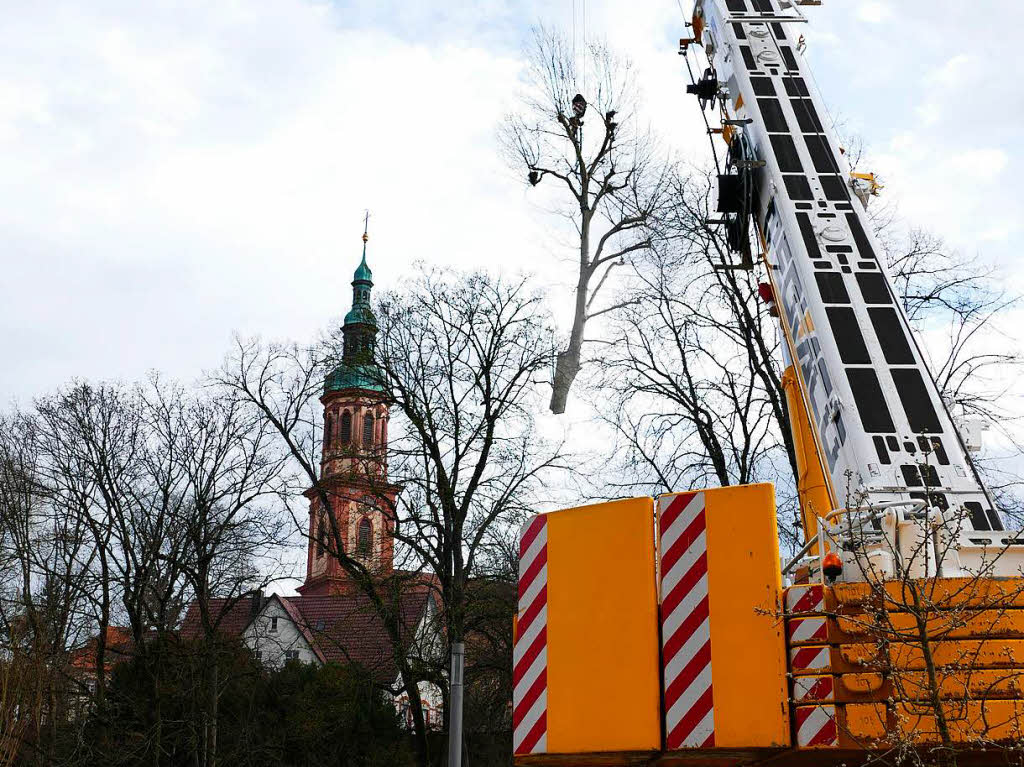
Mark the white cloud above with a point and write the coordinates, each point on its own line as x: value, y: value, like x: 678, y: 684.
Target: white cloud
x: 873, y: 12
x: 177, y: 171
x: 980, y: 164
x: 956, y: 72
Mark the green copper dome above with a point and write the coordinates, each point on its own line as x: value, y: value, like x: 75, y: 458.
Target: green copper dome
x: 357, y: 370
x: 363, y: 273
x: 360, y: 315
x: 352, y: 377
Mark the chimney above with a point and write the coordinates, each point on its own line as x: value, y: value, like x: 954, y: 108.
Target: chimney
x: 256, y: 603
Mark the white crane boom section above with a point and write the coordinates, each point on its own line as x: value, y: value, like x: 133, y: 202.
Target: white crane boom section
x: 882, y: 429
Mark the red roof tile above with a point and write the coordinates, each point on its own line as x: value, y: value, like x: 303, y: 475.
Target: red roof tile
x: 343, y: 628
x: 239, y: 612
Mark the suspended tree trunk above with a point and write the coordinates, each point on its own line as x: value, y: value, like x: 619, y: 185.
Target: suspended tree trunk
x: 613, y: 176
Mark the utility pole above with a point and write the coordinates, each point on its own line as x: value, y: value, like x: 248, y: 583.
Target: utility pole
x: 455, y: 705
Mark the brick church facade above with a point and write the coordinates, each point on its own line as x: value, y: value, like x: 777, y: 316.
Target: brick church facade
x: 354, y: 458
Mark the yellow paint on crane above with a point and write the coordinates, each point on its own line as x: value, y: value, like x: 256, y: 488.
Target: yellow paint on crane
x: 955, y: 684
x: 935, y: 593
x: 812, y: 487
x: 748, y: 656
x: 948, y: 624
x: 983, y: 722
x: 603, y: 671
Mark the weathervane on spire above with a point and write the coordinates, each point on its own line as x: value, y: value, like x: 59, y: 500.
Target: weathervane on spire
x: 366, y: 229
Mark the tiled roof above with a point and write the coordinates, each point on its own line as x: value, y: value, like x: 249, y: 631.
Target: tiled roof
x: 346, y: 628
x: 119, y: 645
x: 239, y: 612
x: 343, y: 628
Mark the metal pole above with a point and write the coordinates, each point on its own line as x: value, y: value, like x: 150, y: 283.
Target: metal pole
x: 455, y: 706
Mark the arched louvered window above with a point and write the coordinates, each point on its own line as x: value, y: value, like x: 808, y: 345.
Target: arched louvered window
x: 364, y: 538
x: 321, y: 539
x: 328, y: 431
x: 367, y: 430
x: 346, y: 427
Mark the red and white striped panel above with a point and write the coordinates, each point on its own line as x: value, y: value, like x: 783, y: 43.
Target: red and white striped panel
x: 805, y: 598
x: 685, y: 622
x: 809, y: 689
x: 807, y: 630
x: 813, y: 658
x: 530, y: 653
x: 816, y: 727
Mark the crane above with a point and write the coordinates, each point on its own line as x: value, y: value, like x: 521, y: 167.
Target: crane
x: 668, y: 630
x: 875, y: 436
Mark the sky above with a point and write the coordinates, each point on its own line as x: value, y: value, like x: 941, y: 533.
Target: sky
x: 176, y: 172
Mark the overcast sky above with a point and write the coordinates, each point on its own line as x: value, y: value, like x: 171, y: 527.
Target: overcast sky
x: 175, y: 172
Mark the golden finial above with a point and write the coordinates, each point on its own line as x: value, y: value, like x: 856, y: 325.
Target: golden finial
x: 366, y: 227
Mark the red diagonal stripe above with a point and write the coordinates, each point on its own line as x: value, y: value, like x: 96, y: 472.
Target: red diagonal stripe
x: 693, y: 717
x: 531, y: 572
x: 530, y: 697
x: 670, y: 601
x: 532, y: 531
x: 673, y: 510
x: 827, y: 734
x: 820, y: 632
x: 809, y: 599
x: 803, y: 713
x: 710, y: 742
x: 683, y: 542
x: 535, y: 733
x: 803, y: 656
x: 676, y: 687
x: 690, y: 624
x: 820, y: 690
x: 530, y: 656
x: 531, y: 612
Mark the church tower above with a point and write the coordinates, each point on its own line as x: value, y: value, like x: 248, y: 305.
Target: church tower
x: 353, y: 457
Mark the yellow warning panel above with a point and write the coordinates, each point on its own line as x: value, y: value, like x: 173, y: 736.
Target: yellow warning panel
x: 748, y: 650
x: 723, y: 649
x: 602, y: 624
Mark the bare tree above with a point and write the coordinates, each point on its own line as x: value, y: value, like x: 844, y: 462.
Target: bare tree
x: 459, y: 358
x: 282, y: 384
x: 612, y: 180
x: 45, y: 569
x: 931, y: 651
x: 125, y: 502
x: 230, y: 522
x: 692, y: 370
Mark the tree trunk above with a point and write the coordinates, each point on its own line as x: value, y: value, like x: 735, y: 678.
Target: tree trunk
x: 567, y: 364
x: 211, y: 745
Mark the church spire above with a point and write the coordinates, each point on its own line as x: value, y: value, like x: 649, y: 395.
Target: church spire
x: 359, y: 331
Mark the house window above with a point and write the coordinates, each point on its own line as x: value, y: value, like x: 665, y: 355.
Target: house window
x: 368, y: 430
x: 346, y: 427
x: 328, y: 430
x: 364, y: 538
x: 259, y: 655
x: 273, y: 625
x: 291, y: 655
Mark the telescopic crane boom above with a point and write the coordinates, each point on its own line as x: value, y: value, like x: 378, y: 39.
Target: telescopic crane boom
x: 880, y: 436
